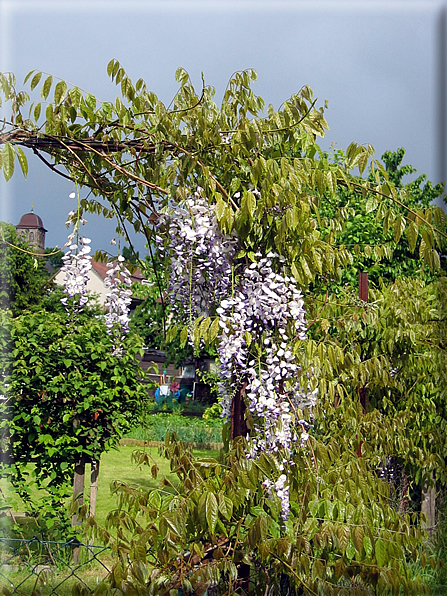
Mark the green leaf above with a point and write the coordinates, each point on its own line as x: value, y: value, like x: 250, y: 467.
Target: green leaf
x: 171, y: 333
x: 318, y: 569
x: 22, y: 160
x: 225, y: 506
x: 46, y: 87
x: 357, y: 538
x: 412, y: 235
x: 292, y: 217
x: 28, y: 76
x: 350, y: 550
x: 204, y: 327
x: 249, y: 202
x: 183, y: 336
x: 399, y: 227
x: 214, y: 329
x: 367, y: 545
x: 60, y: 91
x: 37, y: 111
x: 380, y: 552
x: 8, y: 161
x: 75, y: 97
x: 90, y: 100
x: 211, y: 511
x: 371, y: 204
x: 110, y: 67
x: 220, y: 209
x: 35, y: 80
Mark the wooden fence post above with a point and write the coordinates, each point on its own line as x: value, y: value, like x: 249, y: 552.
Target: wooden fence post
x: 78, y: 498
x: 93, y: 487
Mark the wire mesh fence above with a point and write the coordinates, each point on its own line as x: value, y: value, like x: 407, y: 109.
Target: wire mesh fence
x: 45, y: 568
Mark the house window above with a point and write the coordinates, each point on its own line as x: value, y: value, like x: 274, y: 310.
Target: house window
x: 31, y: 236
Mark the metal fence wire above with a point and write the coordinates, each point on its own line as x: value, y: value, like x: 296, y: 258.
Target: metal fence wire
x: 37, y: 567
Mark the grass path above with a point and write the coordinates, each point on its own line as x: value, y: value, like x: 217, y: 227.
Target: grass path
x: 118, y: 465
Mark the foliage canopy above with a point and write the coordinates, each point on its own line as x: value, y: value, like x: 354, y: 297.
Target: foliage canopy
x: 285, y: 205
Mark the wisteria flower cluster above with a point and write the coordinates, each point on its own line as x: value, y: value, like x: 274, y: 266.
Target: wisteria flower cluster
x: 201, y: 258
x: 282, y: 491
x: 269, y: 311
x: 260, y: 320
x: 118, y: 301
x: 76, y: 267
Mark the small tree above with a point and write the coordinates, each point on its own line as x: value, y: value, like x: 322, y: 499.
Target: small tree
x: 69, y: 398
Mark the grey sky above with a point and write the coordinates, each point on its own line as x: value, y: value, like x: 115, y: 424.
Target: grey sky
x: 377, y: 63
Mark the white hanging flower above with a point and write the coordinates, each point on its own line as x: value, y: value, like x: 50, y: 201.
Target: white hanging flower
x: 118, y: 301
x: 201, y: 258
x: 76, y: 267
x: 270, y: 311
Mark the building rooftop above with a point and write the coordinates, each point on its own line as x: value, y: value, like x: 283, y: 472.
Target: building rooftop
x: 31, y: 220
x: 102, y: 269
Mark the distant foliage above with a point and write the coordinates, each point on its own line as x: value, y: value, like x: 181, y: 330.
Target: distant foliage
x: 23, y: 279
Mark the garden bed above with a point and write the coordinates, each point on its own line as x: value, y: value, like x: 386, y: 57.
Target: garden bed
x: 190, y: 429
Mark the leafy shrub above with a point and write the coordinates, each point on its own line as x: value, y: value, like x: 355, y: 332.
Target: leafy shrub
x: 214, y: 412
x: 222, y: 528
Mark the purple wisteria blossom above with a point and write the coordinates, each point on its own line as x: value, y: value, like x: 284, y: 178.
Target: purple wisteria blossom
x: 76, y: 267
x: 201, y: 258
x: 261, y: 316
x: 282, y: 491
x: 118, y: 301
x: 268, y: 310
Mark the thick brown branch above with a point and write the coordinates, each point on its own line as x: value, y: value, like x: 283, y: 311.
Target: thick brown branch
x: 43, y: 142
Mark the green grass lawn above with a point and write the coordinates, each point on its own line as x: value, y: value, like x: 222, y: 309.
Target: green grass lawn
x: 118, y: 465
x: 115, y: 465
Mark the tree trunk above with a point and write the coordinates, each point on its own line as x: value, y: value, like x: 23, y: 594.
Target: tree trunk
x: 78, y: 498
x: 93, y: 487
x: 238, y: 424
x: 239, y: 429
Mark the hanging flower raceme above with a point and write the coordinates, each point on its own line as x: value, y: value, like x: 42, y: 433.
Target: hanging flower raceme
x: 118, y: 301
x: 268, y: 310
x: 76, y: 267
x: 260, y: 323
x: 201, y: 258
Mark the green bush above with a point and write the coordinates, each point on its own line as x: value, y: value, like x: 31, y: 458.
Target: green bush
x: 214, y: 412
